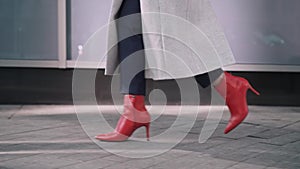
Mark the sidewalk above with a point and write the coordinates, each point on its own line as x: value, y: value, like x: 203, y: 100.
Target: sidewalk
x: 48, y: 137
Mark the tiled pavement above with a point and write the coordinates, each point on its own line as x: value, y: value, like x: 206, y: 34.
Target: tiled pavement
x: 42, y: 137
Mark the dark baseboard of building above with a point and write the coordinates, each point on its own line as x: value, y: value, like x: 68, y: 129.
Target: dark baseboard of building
x: 54, y: 86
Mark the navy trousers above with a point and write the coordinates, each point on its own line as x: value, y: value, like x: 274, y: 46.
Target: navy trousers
x: 132, y: 70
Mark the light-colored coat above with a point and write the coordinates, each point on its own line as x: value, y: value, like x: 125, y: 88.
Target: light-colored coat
x: 182, y: 38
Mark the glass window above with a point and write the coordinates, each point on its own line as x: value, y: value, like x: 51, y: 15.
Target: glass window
x: 262, y: 31
x: 29, y: 29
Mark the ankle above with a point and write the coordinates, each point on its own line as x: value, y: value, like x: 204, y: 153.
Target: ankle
x: 137, y: 101
x: 219, y: 80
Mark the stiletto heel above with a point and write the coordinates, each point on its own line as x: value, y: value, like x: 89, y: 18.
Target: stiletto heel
x: 253, y: 90
x: 148, y: 131
x: 135, y: 116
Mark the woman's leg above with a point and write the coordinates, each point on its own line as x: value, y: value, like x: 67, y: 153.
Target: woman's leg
x: 132, y: 65
x: 207, y: 79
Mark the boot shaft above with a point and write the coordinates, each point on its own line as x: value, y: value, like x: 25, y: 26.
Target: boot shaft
x: 136, y: 101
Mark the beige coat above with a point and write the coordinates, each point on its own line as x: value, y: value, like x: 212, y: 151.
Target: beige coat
x: 182, y: 38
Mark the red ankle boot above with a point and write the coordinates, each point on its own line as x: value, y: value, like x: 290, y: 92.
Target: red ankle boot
x: 134, y: 116
x: 234, y: 90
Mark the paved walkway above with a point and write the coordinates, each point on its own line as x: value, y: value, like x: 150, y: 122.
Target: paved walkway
x: 47, y: 137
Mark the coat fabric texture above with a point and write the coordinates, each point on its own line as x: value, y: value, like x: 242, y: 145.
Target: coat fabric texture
x: 182, y: 38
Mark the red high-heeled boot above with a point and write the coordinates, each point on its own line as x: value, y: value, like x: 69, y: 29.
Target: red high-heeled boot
x: 234, y: 90
x: 134, y: 116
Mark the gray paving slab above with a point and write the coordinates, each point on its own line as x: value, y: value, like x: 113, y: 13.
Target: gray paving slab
x: 37, y: 161
x: 293, y: 126
x: 246, y: 166
x: 271, y: 159
x: 284, y: 139
x: 292, y: 147
x: 271, y: 133
x: 96, y: 163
